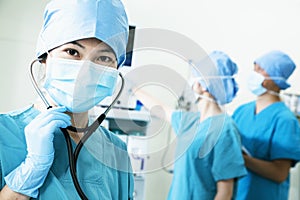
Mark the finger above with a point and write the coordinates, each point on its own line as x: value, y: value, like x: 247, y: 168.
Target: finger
x: 55, y: 116
x: 52, y: 110
x: 43, y: 120
x: 58, y: 109
x: 48, y: 130
x: 56, y: 124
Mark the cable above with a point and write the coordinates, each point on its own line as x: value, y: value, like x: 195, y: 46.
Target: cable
x: 92, y: 129
x: 73, y: 165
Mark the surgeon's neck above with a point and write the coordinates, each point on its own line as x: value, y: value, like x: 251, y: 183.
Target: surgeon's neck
x: 79, y: 120
x: 265, y: 100
x: 208, y: 109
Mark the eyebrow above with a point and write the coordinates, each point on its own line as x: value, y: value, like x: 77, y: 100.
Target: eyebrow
x: 78, y: 44
x: 107, y: 50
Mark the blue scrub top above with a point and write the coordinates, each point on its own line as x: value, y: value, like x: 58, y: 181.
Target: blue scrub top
x: 103, y: 166
x: 271, y: 134
x: 206, y: 153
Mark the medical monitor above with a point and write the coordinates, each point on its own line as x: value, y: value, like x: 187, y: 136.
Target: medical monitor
x: 129, y: 47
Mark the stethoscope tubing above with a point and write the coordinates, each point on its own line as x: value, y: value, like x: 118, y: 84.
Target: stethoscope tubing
x: 88, y: 131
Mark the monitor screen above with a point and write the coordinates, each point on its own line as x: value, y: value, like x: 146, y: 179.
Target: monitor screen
x: 129, y: 47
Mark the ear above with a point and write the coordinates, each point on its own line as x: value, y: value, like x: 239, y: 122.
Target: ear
x: 198, y: 88
x: 43, y: 58
x: 43, y: 61
x: 270, y: 85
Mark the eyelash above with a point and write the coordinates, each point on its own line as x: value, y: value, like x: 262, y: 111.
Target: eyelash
x: 102, y: 59
x: 68, y: 51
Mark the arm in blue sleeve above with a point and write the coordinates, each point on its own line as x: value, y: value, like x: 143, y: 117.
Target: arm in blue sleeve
x: 228, y: 161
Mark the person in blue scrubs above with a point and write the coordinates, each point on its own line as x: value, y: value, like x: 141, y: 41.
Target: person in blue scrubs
x: 269, y: 131
x: 208, y: 157
x: 82, y: 43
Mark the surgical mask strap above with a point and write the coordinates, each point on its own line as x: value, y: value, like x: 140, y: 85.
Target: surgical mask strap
x: 275, y: 78
x: 192, y: 81
x: 200, y: 96
x: 273, y: 93
x: 214, y: 77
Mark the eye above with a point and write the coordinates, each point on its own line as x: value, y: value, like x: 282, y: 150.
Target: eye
x: 72, y: 52
x: 106, y: 60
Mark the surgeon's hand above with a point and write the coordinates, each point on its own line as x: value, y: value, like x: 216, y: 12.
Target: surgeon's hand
x: 30, y: 175
x: 39, y: 132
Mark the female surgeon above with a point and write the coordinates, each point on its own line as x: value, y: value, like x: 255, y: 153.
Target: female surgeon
x: 81, y: 44
x: 269, y: 131
x: 208, y: 153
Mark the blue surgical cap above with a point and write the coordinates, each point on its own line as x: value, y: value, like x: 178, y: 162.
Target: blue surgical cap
x: 216, y: 76
x: 70, y: 20
x: 277, y: 65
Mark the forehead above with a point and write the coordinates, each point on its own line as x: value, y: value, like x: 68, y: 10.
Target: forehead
x: 93, y: 43
x: 260, y: 70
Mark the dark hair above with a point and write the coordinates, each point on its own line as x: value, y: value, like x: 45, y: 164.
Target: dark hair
x: 42, y: 57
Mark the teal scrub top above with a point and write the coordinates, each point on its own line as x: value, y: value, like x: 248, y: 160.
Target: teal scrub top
x: 206, y: 153
x: 269, y: 135
x: 103, y: 166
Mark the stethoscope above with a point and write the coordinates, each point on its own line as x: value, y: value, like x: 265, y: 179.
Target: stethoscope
x: 88, y: 131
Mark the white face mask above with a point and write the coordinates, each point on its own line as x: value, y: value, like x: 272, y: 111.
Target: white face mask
x: 255, y: 81
x: 78, y: 85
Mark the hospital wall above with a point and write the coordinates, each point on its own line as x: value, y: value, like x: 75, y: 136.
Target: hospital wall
x: 243, y: 29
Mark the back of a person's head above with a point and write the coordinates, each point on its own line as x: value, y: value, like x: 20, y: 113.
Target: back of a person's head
x: 218, y: 80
